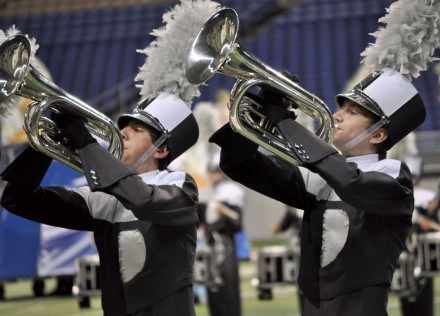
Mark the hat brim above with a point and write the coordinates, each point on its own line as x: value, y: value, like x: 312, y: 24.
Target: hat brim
x: 359, y: 99
x: 148, y: 120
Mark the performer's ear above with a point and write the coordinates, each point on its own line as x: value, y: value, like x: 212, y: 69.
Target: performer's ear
x: 161, y: 152
x: 379, y: 136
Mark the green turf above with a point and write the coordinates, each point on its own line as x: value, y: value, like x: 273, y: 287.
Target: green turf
x: 20, y: 300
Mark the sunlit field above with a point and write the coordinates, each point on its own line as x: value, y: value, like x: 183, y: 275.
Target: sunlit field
x: 19, y: 300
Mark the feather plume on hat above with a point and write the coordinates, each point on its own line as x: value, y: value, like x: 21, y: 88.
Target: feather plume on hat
x: 409, y: 39
x: 7, y: 105
x: 164, y: 68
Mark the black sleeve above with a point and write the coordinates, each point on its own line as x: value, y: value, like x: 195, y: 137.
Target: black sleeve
x: 371, y: 191
x: 163, y: 204
x: 305, y: 145
x: 242, y: 162
x: 23, y: 196
x: 201, y: 212
x: 28, y: 169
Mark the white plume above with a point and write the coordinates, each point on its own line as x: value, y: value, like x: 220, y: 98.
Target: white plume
x: 409, y: 39
x: 164, y: 69
x: 7, y: 105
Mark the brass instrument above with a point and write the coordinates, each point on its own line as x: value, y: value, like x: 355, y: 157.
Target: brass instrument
x: 19, y: 78
x: 215, y: 50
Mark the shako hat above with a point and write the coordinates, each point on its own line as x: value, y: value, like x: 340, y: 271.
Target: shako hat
x: 404, y: 46
x: 392, y: 97
x: 171, y: 117
x: 166, y: 93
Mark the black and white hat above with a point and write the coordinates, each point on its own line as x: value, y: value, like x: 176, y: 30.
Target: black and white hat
x: 171, y: 117
x: 163, y: 79
x: 392, y: 97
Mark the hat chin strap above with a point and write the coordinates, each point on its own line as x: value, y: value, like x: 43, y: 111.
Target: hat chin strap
x: 363, y: 135
x: 148, y: 153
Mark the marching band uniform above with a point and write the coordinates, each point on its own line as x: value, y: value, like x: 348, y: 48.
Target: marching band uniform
x: 144, y: 225
x: 291, y: 220
x: 421, y: 302
x: 357, y: 210
x: 224, y: 299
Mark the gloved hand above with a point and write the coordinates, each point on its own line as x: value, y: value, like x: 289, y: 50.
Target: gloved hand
x: 294, y: 78
x: 273, y: 104
x: 74, y: 129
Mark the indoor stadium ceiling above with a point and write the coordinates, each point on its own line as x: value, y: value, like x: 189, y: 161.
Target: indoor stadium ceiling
x: 13, y: 7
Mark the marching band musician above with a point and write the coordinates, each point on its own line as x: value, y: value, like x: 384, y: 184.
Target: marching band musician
x: 144, y: 217
x: 221, y: 217
x: 421, y: 302
x: 291, y: 220
x: 357, y: 204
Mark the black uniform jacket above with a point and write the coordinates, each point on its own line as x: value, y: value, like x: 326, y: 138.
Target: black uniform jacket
x: 355, y: 219
x: 144, y: 225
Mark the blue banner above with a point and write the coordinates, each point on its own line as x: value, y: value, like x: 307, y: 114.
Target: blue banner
x: 30, y: 249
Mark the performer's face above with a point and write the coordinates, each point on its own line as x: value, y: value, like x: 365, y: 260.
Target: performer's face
x: 137, y: 140
x: 351, y: 120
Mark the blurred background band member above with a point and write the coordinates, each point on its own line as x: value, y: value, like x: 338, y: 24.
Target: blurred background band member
x: 291, y: 221
x: 221, y: 216
x: 425, y: 220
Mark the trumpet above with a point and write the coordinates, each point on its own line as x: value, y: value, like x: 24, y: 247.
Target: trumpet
x: 19, y: 78
x: 215, y: 50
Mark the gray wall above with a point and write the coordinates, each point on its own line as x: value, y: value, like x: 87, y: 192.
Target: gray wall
x: 260, y: 214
